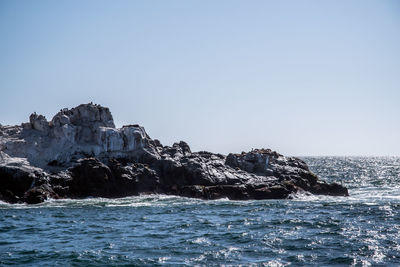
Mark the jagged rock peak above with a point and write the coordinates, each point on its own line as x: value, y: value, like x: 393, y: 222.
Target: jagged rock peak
x: 86, y: 130
x: 84, y: 115
x: 38, y: 122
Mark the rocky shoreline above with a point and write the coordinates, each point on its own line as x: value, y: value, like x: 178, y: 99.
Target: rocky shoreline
x: 80, y: 153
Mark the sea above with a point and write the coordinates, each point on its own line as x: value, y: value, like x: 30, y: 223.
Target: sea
x: 156, y: 230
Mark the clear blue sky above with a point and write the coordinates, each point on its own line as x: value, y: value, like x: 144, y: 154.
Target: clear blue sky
x: 300, y: 77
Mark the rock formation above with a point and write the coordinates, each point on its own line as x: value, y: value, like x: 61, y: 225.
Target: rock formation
x: 80, y: 153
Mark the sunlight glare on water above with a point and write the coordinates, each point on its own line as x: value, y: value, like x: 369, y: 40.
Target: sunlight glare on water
x: 360, y: 230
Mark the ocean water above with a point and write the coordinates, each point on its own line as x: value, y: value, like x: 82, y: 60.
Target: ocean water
x: 360, y: 230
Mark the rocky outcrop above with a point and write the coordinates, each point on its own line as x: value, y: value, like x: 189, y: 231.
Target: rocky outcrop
x: 80, y: 153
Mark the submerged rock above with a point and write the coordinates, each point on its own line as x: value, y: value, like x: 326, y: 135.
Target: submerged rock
x: 80, y: 153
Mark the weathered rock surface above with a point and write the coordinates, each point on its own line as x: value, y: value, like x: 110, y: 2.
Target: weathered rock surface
x: 80, y: 153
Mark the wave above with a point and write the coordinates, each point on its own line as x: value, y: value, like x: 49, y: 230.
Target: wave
x: 361, y: 195
x: 366, y: 195
x: 131, y: 201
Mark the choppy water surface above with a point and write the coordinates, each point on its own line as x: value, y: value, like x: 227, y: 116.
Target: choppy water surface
x: 360, y: 230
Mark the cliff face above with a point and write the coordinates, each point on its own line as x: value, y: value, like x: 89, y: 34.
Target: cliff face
x: 87, y: 130
x: 80, y: 153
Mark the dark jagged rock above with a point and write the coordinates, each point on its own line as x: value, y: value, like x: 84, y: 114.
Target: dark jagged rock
x: 80, y: 153
x: 39, y: 194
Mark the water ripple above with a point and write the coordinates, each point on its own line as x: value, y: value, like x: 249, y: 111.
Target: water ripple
x: 360, y: 230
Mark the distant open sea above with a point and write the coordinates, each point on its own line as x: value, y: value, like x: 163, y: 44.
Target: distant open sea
x: 360, y: 230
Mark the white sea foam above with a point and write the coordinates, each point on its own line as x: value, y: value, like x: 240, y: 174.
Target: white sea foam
x: 132, y: 201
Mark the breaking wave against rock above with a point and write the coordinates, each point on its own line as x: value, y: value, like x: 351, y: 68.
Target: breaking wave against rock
x: 360, y: 230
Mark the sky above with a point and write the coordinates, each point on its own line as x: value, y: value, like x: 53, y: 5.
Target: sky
x: 299, y: 77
